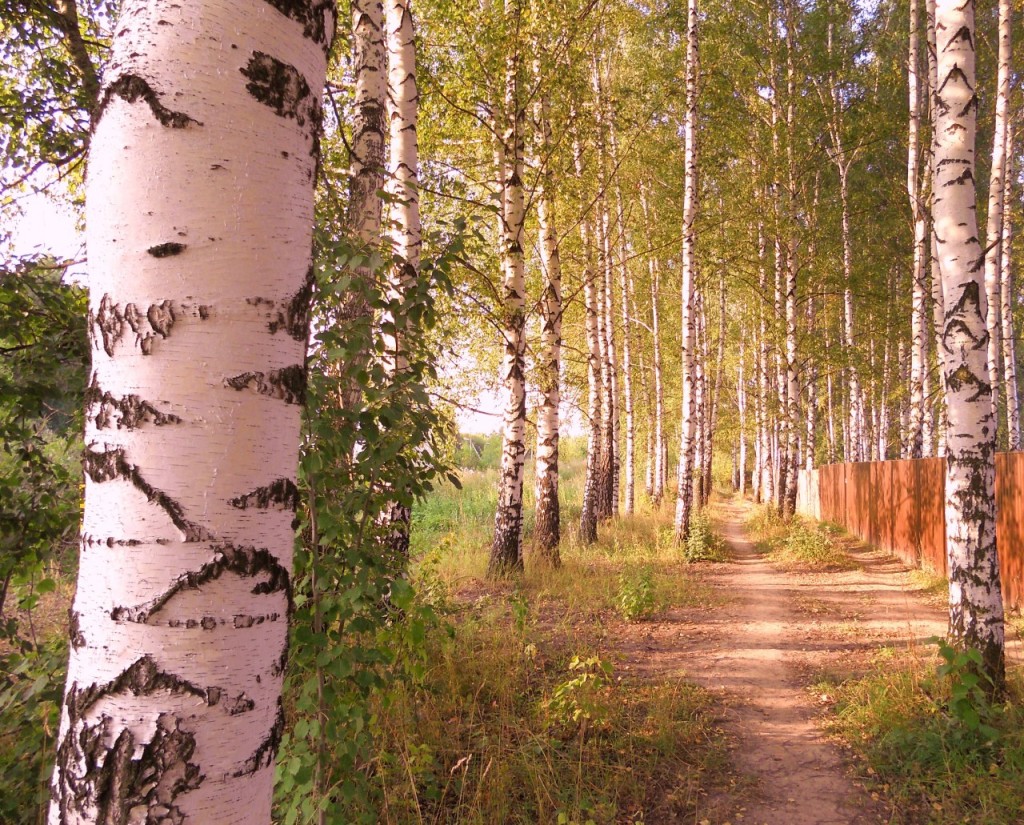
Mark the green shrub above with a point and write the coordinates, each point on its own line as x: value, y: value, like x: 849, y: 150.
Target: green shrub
x: 635, y: 598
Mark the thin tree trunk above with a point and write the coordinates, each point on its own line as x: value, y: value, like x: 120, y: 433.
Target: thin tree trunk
x: 179, y: 625
x: 595, y: 390
x: 741, y: 409
x: 975, y: 601
x: 366, y: 164
x: 1006, y: 314
x: 767, y: 474
x: 629, y: 468
x: 404, y: 211
x: 684, y: 493
x: 546, y: 529
x: 507, y: 548
x: 994, y: 227
x: 660, y: 470
x: 918, y: 314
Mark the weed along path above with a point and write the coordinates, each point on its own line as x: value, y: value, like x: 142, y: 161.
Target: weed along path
x: 776, y: 631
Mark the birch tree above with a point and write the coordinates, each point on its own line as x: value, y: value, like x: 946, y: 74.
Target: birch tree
x: 199, y: 236
x: 507, y: 548
x: 403, y: 229
x: 546, y: 526
x: 684, y: 487
x: 975, y: 601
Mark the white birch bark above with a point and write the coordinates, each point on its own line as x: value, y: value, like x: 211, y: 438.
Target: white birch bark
x: 994, y: 226
x: 741, y: 409
x: 608, y: 499
x: 654, y: 271
x: 1006, y: 313
x: 546, y: 524
x: 629, y: 467
x: 507, y: 548
x: 684, y: 494
x: 592, y: 484
x: 199, y: 236
x: 766, y: 484
x: 403, y: 226
x: 975, y: 601
x: 918, y: 317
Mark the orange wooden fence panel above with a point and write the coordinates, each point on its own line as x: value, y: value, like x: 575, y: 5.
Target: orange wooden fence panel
x: 900, y: 507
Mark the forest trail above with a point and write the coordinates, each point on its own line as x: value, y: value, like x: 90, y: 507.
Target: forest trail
x: 775, y: 631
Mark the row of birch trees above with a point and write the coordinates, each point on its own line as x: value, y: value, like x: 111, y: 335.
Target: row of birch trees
x: 724, y: 236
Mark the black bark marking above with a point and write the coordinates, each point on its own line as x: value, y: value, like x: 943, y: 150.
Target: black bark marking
x: 288, y: 384
x: 112, y: 322
x: 954, y: 75
x: 113, y: 781
x: 161, y: 317
x: 166, y: 250
x: 280, y: 492
x: 245, y: 562
x: 74, y: 629
x: 127, y: 412
x: 112, y: 465
x: 292, y: 315
x: 281, y: 87
x: 964, y: 177
x: 311, y: 15
x: 131, y: 87
x: 267, y: 749
x: 962, y: 36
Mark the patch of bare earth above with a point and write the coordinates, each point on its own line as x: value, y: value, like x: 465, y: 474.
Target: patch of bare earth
x: 760, y: 650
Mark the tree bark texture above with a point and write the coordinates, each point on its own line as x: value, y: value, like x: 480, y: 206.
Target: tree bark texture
x: 199, y: 213
x: 684, y: 490
x: 975, y: 601
x: 546, y: 527
x: 507, y: 548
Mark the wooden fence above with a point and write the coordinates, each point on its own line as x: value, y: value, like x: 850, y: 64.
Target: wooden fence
x: 900, y: 507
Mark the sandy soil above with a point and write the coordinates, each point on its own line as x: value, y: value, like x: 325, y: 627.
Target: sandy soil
x: 759, y: 653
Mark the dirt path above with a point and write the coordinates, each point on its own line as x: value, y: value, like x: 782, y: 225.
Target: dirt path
x: 759, y: 652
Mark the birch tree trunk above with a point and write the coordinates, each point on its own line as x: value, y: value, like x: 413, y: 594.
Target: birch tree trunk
x: 629, y: 468
x: 199, y: 237
x: 660, y: 470
x: 994, y: 227
x: 403, y: 228
x: 507, y: 548
x: 766, y: 475
x: 938, y: 304
x: 918, y: 313
x: 975, y: 601
x: 546, y: 528
x: 595, y: 389
x: 741, y: 409
x: 684, y: 494
x: 366, y: 163
x: 1006, y: 313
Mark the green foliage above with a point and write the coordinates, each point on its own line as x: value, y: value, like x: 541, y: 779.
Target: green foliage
x: 944, y: 752
x: 31, y: 684
x: 579, y: 701
x: 636, y: 599
x: 798, y: 544
x: 357, y: 625
x: 43, y: 359
x: 702, y: 543
x: 479, y: 452
x: 970, y: 689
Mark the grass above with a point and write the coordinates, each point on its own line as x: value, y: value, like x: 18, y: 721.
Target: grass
x: 515, y: 725
x: 521, y: 716
x: 797, y: 543
x: 933, y: 766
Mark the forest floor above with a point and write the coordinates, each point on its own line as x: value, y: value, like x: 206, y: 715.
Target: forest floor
x: 779, y: 631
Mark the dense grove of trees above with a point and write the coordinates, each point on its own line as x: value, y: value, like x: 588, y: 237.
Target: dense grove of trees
x: 758, y: 236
